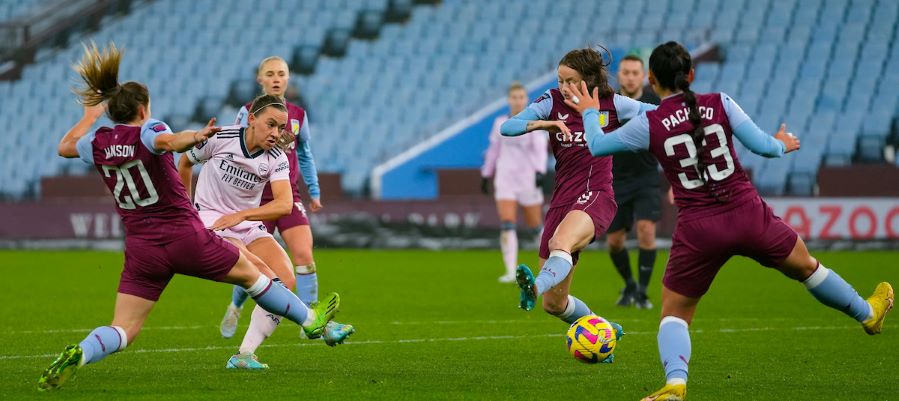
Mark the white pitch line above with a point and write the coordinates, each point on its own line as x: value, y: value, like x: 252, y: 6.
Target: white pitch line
x: 441, y: 339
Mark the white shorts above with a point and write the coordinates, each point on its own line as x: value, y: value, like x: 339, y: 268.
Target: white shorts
x: 529, y: 196
x: 245, y: 232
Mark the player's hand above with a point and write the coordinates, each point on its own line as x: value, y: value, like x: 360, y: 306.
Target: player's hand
x: 286, y: 139
x: 315, y: 205
x: 485, y: 186
x: 227, y: 221
x: 207, y: 132
x: 95, y: 112
x: 553, y: 126
x: 584, y: 99
x: 791, y: 142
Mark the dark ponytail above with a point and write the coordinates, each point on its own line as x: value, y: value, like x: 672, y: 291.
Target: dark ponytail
x: 100, y: 73
x: 671, y: 63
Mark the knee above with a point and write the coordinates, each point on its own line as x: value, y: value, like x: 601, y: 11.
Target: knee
x: 560, y: 243
x: 646, y: 234
x: 303, y: 256
x: 615, y: 241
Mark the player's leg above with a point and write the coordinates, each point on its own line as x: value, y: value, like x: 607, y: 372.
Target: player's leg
x: 508, y: 237
x: 299, y: 241
x: 615, y: 240
x: 646, y: 259
x: 647, y: 211
x: 262, y: 323
x: 277, y: 299
x: 130, y: 313
x: 574, y: 233
x: 533, y: 218
x: 830, y: 289
x: 238, y: 296
x: 674, y: 344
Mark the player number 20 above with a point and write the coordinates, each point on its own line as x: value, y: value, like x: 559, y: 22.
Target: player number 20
x: 123, y: 176
x: 712, y: 170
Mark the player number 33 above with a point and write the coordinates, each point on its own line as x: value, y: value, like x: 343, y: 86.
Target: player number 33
x: 712, y: 170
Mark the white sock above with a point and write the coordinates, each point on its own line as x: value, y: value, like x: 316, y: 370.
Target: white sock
x: 262, y: 325
x: 508, y: 243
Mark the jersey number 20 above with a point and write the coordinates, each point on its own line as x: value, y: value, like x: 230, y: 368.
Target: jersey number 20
x: 123, y: 176
x: 712, y: 170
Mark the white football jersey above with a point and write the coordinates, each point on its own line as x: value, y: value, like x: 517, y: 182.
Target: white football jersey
x: 232, y: 179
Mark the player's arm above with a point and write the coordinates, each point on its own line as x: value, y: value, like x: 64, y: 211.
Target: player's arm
x: 632, y: 136
x: 280, y: 206
x: 68, y: 144
x: 184, y: 140
x: 628, y: 108
x: 751, y: 136
x: 307, y: 166
x: 186, y: 173
x: 532, y: 118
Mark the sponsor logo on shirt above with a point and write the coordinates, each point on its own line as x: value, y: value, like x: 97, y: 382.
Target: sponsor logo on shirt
x: 584, y: 198
x: 282, y: 166
x: 158, y: 127
x: 562, y: 117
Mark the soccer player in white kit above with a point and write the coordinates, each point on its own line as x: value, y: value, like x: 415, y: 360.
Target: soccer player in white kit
x: 517, y: 165
x: 238, y: 163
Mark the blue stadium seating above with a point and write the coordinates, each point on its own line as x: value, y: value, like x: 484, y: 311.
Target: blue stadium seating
x: 828, y: 68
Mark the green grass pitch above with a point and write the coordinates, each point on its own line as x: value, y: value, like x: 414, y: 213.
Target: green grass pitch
x: 437, y: 325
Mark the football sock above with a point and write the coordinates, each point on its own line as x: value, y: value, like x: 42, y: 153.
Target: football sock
x: 262, y: 325
x: 276, y: 298
x: 101, y: 342
x: 623, y: 264
x: 674, y: 348
x: 830, y: 289
x: 508, y: 243
x: 554, y: 271
x: 575, y: 310
x: 647, y: 260
x: 238, y: 296
x: 307, y: 283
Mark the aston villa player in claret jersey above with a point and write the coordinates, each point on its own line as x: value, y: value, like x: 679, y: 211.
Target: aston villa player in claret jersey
x: 720, y: 213
x: 582, y: 201
x: 163, y: 233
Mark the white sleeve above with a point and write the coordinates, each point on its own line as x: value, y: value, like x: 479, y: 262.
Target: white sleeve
x: 201, y: 152
x: 282, y: 168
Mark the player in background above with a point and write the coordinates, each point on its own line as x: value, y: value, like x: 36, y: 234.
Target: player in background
x: 582, y: 203
x: 237, y: 164
x: 273, y: 76
x: 635, y: 179
x: 517, y: 165
x: 720, y: 213
x: 163, y: 233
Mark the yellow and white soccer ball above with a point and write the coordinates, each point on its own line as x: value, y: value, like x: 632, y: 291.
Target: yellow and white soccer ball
x: 591, y: 339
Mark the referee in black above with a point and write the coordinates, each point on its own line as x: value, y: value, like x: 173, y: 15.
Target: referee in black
x: 636, y: 183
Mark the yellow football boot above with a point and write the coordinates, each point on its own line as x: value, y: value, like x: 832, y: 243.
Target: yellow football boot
x: 881, y: 302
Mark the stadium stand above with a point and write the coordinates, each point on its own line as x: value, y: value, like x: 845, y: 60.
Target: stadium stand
x: 828, y: 68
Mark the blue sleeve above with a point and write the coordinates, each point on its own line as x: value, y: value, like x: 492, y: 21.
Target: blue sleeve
x: 85, y: 149
x: 758, y: 141
x: 633, y: 136
x: 735, y: 114
x: 148, y: 133
x: 540, y: 109
x: 518, y: 124
x: 241, y: 119
x: 628, y: 108
x: 749, y: 134
x: 307, y: 163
